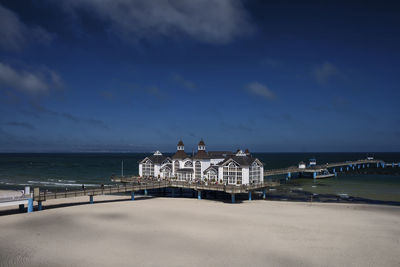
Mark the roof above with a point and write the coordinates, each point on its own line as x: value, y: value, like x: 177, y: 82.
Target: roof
x: 241, y: 160
x: 156, y: 159
x: 219, y: 154
x: 180, y: 143
x: 180, y: 154
x: 201, y: 143
x: 201, y: 154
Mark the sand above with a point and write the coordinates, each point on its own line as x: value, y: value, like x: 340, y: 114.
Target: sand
x: 191, y: 232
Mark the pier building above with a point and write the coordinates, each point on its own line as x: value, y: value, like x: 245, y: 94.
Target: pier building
x: 221, y: 167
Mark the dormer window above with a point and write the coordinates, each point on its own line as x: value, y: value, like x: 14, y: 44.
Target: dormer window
x: 157, y: 153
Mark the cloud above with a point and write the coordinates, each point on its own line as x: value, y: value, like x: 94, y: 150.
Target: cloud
x: 259, y: 89
x: 15, y: 35
x: 209, y: 21
x: 39, y: 81
x: 325, y: 72
x: 20, y: 124
x: 191, y: 86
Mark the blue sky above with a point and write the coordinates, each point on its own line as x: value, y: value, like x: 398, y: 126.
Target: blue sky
x: 136, y: 76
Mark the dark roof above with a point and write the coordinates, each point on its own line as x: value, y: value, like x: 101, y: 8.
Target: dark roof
x: 201, y: 143
x: 219, y: 154
x: 180, y: 143
x: 180, y: 154
x: 214, y: 167
x: 201, y: 154
x: 241, y: 160
x: 157, y: 159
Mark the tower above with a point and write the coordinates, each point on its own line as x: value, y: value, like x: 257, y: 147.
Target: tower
x: 201, y: 146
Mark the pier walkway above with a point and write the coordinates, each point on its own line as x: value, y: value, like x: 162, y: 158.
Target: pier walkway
x: 316, y: 168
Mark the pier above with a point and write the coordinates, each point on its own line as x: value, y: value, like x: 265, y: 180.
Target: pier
x: 335, y: 167
x: 134, y: 184
x: 128, y: 186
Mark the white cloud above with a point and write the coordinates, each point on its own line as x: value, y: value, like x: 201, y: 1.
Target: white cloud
x: 259, y: 89
x: 210, y: 21
x: 325, y: 72
x: 15, y: 35
x: 32, y: 82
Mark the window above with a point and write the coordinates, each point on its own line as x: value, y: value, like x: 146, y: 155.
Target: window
x: 212, y: 175
x: 166, y: 171
x: 232, y: 174
x: 176, y: 166
x: 197, y: 170
x: 188, y: 164
x: 255, y: 173
x: 148, y: 168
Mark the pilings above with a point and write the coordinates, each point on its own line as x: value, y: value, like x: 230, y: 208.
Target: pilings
x: 91, y: 199
x: 132, y: 195
x: 264, y: 193
x: 145, y: 192
x: 30, y: 205
x: 40, y: 207
x: 233, y: 198
x: 199, y: 194
x: 249, y: 195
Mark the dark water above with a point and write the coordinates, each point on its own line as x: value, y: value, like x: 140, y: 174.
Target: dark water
x: 73, y: 170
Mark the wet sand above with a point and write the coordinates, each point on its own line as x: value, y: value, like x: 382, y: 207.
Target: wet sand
x: 189, y: 232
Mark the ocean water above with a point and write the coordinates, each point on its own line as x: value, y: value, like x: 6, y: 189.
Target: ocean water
x: 60, y: 171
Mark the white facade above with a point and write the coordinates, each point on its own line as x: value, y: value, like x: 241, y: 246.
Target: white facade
x: 240, y: 168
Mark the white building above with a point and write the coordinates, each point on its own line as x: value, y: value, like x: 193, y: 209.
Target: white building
x: 213, y: 166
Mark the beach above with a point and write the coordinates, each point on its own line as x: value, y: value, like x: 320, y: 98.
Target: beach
x: 190, y: 232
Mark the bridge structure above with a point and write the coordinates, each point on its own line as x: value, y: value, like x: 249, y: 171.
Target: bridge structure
x: 333, y: 167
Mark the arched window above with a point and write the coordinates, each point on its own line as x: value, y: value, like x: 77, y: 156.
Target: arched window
x: 188, y: 164
x: 212, y: 176
x: 232, y: 174
x: 197, y: 170
x: 176, y: 166
x: 166, y: 171
x: 148, y: 168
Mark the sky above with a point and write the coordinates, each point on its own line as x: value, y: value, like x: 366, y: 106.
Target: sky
x: 137, y: 76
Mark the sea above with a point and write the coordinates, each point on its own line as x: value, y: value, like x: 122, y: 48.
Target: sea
x: 66, y: 171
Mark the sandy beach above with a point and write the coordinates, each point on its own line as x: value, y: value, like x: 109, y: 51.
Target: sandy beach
x: 189, y: 232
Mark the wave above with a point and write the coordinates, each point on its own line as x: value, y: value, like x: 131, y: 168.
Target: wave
x: 49, y: 183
